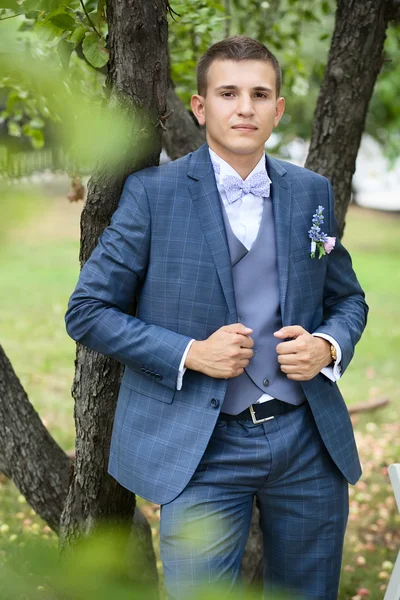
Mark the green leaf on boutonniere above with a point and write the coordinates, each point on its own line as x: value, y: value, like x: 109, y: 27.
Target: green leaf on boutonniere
x: 321, y: 251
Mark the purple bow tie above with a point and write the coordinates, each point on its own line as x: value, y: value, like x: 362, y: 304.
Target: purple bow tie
x: 258, y: 184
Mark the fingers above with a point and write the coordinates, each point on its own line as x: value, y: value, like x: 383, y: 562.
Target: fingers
x: 290, y: 369
x: 298, y: 377
x: 245, y: 341
x: 291, y: 331
x: 246, y: 353
x: 237, y: 328
x: 287, y: 347
x: 288, y: 359
x: 295, y: 373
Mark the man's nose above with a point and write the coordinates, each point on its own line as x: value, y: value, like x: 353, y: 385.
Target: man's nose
x: 245, y: 106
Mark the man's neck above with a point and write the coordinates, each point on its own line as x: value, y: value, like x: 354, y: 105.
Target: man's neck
x: 243, y: 164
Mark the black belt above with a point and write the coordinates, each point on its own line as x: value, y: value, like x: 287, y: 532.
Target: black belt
x: 258, y: 413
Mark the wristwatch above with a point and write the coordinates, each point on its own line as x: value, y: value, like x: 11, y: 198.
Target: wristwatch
x: 333, y: 353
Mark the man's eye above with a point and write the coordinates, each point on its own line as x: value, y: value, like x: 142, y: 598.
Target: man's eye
x: 261, y: 95
x: 228, y: 94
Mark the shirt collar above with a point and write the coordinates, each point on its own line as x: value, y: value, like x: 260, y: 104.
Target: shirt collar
x: 224, y: 168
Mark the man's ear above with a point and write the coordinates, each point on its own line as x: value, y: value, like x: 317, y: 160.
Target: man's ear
x: 279, y: 110
x: 197, y: 104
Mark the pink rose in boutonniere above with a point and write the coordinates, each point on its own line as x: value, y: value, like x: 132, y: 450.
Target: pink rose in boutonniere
x: 329, y: 244
x: 319, y: 239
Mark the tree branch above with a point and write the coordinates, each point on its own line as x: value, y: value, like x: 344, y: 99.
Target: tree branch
x: 90, y: 20
x: 172, y: 12
x: 368, y: 406
x: 28, y: 454
x: 11, y: 17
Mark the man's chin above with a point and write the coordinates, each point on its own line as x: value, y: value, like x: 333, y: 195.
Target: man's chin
x: 245, y: 149
x: 236, y: 146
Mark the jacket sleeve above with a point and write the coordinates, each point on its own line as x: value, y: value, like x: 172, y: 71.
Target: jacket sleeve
x: 97, y: 314
x: 345, y: 310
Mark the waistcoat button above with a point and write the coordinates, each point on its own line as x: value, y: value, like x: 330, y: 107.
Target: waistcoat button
x: 214, y: 402
x: 266, y: 382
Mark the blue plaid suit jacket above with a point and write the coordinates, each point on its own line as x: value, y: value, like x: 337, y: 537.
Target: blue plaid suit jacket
x: 167, y: 246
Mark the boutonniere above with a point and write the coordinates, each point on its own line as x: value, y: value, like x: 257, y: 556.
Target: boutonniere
x: 319, y: 239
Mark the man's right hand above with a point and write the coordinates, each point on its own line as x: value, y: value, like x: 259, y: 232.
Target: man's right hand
x: 224, y: 354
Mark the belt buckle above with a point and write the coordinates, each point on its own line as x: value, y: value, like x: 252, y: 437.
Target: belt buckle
x: 253, y: 416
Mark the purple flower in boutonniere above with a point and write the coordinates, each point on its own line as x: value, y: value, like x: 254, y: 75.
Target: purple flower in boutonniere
x: 319, y: 239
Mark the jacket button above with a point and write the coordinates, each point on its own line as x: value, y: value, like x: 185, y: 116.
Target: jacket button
x: 143, y: 370
x: 158, y: 376
x: 214, y: 402
x: 266, y: 382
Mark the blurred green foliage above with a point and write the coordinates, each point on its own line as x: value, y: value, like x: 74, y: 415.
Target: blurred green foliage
x: 102, y: 566
x: 70, y: 37
x: 196, y: 26
x: 71, y: 101
x: 383, y: 120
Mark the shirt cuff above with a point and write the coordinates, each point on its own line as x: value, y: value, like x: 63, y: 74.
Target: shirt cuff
x: 335, y: 371
x: 182, y: 368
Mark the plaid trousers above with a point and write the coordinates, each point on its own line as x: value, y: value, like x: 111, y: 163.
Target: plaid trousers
x: 303, y: 501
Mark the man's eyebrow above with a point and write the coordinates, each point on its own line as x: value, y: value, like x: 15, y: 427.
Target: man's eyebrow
x: 257, y: 88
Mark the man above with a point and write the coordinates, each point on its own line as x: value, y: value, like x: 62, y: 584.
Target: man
x: 231, y: 362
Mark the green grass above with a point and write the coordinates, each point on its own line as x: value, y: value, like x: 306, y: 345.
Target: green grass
x: 374, y: 242
x: 37, y: 277
x: 39, y: 267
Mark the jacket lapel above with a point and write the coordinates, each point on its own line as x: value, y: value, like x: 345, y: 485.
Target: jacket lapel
x: 206, y: 199
x: 282, y: 206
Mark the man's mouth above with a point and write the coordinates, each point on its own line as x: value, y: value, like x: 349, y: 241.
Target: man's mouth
x: 245, y: 126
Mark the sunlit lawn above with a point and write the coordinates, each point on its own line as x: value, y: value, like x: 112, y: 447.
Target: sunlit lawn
x: 374, y: 241
x: 39, y: 268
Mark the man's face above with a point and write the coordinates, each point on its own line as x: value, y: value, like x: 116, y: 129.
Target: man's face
x: 240, y: 109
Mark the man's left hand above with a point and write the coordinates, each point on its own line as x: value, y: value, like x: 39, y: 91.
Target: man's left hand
x: 303, y: 357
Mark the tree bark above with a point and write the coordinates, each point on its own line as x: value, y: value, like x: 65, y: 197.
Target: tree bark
x: 28, y: 454
x: 354, y: 62
x: 137, y: 82
x: 182, y: 135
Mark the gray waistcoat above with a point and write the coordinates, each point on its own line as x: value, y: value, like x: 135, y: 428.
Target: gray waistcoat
x: 255, y: 280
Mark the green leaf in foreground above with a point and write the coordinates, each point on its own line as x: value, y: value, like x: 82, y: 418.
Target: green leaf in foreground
x: 64, y: 49
x: 78, y: 34
x: 47, y: 31
x: 94, y: 49
x: 11, y: 4
x: 63, y: 21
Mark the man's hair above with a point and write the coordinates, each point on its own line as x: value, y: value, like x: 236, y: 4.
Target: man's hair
x: 238, y: 47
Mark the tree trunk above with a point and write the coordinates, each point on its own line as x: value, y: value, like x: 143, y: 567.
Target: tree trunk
x: 28, y: 454
x: 355, y: 59
x: 182, y: 135
x: 138, y: 78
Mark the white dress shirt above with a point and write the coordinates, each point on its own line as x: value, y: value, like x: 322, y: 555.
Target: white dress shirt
x: 245, y: 218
